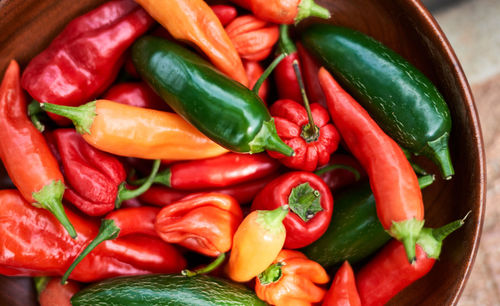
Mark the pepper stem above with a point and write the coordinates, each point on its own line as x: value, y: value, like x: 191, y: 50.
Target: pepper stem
x: 271, y: 275
x: 127, y: 194
x: 34, y: 112
x: 207, y: 269
x: 437, y: 150
x: 329, y: 168
x: 40, y: 282
x: 310, y: 8
x: 310, y: 131
x: 50, y: 198
x: 425, y: 180
x: 162, y: 177
x: 286, y: 44
x: 272, y: 218
x: 267, y: 72
x: 407, y: 232
x: 267, y: 139
x: 82, y: 116
x: 107, y: 231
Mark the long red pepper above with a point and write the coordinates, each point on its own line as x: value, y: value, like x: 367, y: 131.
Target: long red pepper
x: 343, y: 290
x: 25, y: 154
x: 84, y: 59
x: 398, y: 198
x: 284, y: 75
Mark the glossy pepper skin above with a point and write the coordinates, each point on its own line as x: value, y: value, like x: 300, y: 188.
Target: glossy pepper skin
x: 291, y: 122
x: 225, y: 13
x: 55, y: 293
x: 136, y: 94
x: 252, y: 37
x: 342, y: 170
x: 284, y: 75
x: 195, y: 22
x: 84, y: 59
x: 310, y: 67
x: 254, y: 71
x: 200, y: 94
x: 204, y: 223
x: 41, y: 246
x: 343, y: 290
x: 406, y: 105
x: 25, y: 153
x: 400, y: 207
x: 137, y: 132
x: 292, y: 279
x: 310, y: 202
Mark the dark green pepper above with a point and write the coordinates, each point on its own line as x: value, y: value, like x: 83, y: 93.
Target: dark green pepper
x: 222, y: 109
x: 406, y: 105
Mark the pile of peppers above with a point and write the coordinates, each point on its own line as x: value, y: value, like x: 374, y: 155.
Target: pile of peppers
x: 215, y: 148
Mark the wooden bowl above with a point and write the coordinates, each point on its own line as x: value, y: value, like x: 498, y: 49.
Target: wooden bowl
x: 27, y: 27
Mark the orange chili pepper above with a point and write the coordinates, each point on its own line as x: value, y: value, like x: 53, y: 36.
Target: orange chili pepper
x: 257, y: 242
x: 291, y: 280
x: 343, y: 290
x: 137, y: 132
x: 194, y: 21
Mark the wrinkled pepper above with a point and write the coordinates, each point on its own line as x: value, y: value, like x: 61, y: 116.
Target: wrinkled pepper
x: 225, y: 13
x: 343, y: 290
x: 25, y: 153
x: 309, y: 68
x: 52, y: 292
x: 256, y: 243
x: 342, y: 170
x: 35, y: 244
x: 292, y: 279
x: 195, y: 22
x: 222, y: 109
x: 136, y: 94
x: 254, y: 72
x: 84, y: 59
x: 252, y: 37
x: 398, y: 198
x: 204, y: 223
x: 137, y: 132
x: 310, y: 202
x: 284, y: 75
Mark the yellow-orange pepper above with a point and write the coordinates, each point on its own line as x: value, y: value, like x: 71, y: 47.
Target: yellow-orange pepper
x: 194, y: 21
x: 137, y: 132
x: 256, y: 243
x: 291, y: 280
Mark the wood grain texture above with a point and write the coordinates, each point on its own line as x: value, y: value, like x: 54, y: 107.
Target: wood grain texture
x: 26, y: 27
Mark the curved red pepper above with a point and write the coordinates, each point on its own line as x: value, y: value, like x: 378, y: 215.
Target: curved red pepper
x: 137, y: 94
x: 254, y: 70
x: 343, y: 290
x: 284, y: 75
x: 84, y: 59
x: 309, y: 199
x: 55, y: 293
x: 309, y: 68
x: 398, y: 198
x: 225, y: 13
x: 291, y: 120
x: 342, y: 170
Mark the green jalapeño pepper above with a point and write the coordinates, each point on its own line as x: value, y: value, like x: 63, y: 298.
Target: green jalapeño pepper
x: 406, y: 105
x: 222, y: 109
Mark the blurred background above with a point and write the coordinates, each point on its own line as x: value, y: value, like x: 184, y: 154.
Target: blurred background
x: 473, y: 29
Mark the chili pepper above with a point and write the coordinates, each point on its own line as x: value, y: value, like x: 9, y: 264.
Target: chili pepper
x: 204, y: 223
x: 291, y: 280
x: 137, y: 132
x: 136, y: 94
x: 254, y: 72
x: 25, y: 154
x: 52, y: 292
x: 284, y: 12
x: 252, y: 37
x: 84, y: 59
x: 35, y: 244
x: 195, y: 22
x: 343, y: 291
x: 225, y: 13
x: 406, y: 105
x: 284, y: 75
x: 310, y: 67
x: 400, y: 208
x: 256, y: 243
x: 342, y: 170
x: 201, y: 95
x: 389, y: 272
x: 310, y: 202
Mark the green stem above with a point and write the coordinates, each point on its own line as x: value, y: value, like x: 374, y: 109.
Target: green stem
x: 34, y: 112
x: 267, y: 72
x: 207, y: 269
x: 286, y: 44
x: 82, y: 116
x: 40, y: 282
x: 329, y: 168
x: 271, y: 275
x: 438, y: 151
x: 425, y: 181
x: 310, y: 8
x: 163, y: 177
x: 127, y: 194
x: 407, y: 232
x: 271, y: 219
x: 107, y: 231
x: 310, y: 132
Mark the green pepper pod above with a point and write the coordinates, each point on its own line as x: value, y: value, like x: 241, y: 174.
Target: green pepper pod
x: 406, y: 105
x: 222, y: 109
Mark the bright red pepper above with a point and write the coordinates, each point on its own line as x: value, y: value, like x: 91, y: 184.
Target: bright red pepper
x: 33, y: 244
x: 342, y: 170
x: 312, y: 149
x: 343, y: 291
x: 284, y: 75
x: 204, y: 222
x: 54, y: 293
x: 310, y: 202
x: 84, y: 59
x: 225, y: 13
x: 252, y: 37
x: 398, y: 198
x: 254, y: 71
x: 25, y: 154
x: 137, y: 94
x: 309, y: 68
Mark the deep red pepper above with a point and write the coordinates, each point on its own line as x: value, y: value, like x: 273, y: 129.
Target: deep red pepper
x: 34, y: 244
x: 343, y: 290
x: 292, y: 125
x: 54, y: 293
x: 254, y: 70
x: 310, y: 201
x: 284, y: 75
x: 342, y: 170
x: 225, y: 13
x: 137, y: 94
x: 309, y: 67
x: 398, y: 198
x: 84, y: 59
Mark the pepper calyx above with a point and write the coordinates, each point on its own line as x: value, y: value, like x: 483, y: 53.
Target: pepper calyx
x: 272, y: 220
x: 267, y: 139
x: 305, y: 201
x: 82, y: 116
x: 309, y: 8
x: 271, y: 275
x: 407, y: 232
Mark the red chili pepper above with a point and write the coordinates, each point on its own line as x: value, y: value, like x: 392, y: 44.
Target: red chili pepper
x: 284, y: 75
x: 309, y: 68
x: 343, y: 291
x: 252, y: 37
x: 34, y: 244
x: 225, y: 13
x: 342, y: 170
x: 254, y: 71
x: 54, y: 293
x: 310, y: 202
x: 84, y: 59
x: 137, y: 94
x: 284, y: 12
x: 390, y: 272
x: 25, y: 154
x: 204, y: 223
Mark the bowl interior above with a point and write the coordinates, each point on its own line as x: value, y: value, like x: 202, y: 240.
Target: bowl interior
x: 28, y: 26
